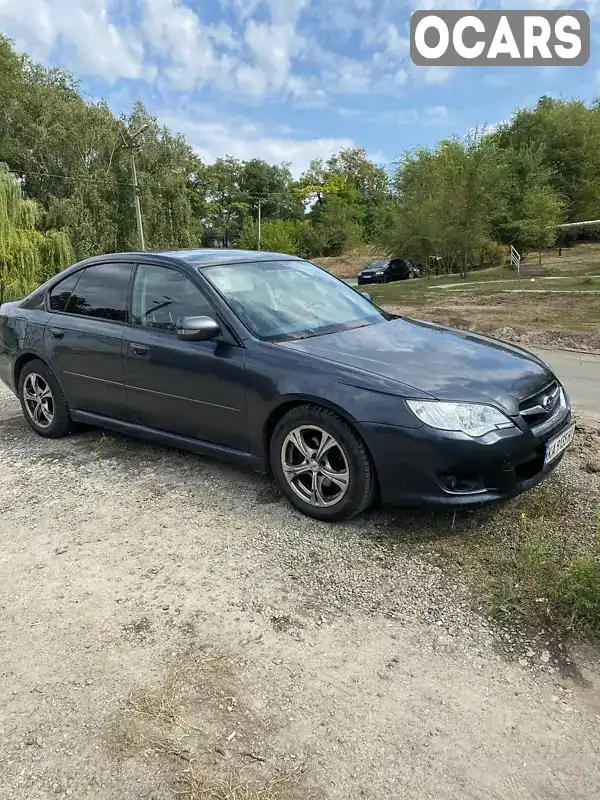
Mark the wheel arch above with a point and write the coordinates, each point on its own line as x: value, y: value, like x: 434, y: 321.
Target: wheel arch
x: 21, y: 361
x: 296, y: 401
x: 25, y: 358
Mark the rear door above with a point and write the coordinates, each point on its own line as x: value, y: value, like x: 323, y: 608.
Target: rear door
x: 194, y: 389
x: 84, y: 334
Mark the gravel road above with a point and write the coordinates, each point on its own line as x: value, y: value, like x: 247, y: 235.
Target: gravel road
x: 167, y: 622
x: 580, y: 373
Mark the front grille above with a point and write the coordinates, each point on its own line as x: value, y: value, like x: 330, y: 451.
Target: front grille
x: 544, y: 410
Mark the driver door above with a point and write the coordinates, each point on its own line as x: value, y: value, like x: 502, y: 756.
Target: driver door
x: 194, y: 389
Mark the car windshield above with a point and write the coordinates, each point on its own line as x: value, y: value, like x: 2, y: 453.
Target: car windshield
x: 282, y: 300
x: 376, y: 265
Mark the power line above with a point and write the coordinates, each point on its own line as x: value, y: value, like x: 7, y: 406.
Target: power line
x: 107, y: 181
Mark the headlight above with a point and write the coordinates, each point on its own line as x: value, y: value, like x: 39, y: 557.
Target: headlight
x: 470, y: 418
x: 381, y: 272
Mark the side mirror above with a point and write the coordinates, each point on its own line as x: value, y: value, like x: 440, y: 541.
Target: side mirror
x: 197, y: 329
x: 367, y: 295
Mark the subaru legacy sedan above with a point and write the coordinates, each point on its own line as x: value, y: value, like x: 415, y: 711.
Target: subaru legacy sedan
x: 268, y: 361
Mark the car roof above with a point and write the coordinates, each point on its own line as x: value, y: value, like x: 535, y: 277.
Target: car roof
x: 191, y: 260
x: 213, y: 255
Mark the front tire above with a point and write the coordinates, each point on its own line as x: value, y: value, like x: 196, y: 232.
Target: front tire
x: 44, y: 406
x: 321, y: 465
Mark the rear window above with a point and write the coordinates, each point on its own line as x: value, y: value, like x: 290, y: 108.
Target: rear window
x: 102, y: 292
x: 35, y: 300
x: 61, y: 293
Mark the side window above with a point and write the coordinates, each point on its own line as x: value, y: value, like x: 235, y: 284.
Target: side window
x: 102, y: 292
x: 60, y: 294
x: 162, y: 295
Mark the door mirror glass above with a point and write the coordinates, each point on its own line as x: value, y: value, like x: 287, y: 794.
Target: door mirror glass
x: 197, y: 329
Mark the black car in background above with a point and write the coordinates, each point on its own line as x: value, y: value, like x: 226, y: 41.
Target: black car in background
x: 268, y: 361
x: 385, y: 271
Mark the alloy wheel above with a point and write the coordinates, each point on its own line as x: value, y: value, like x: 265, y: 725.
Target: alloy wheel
x: 315, y: 466
x: 38, y: 400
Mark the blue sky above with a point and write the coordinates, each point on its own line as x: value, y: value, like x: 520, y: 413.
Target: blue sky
x: 285, y: 80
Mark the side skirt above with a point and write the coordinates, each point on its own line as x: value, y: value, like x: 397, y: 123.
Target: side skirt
x: 216, y: 451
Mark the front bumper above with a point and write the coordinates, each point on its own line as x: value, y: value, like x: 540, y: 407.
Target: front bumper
x: 424, y: 466
x: 366, y: 279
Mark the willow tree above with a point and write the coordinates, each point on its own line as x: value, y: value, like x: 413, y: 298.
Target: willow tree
x: 27, y: 257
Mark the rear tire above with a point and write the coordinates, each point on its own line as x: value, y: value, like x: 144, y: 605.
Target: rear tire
x: 42, y: 401
x: 321, y: 465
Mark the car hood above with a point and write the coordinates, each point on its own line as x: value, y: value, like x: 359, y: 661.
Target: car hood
x: 443, y: 362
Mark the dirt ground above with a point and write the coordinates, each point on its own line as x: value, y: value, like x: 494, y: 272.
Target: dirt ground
x: 170, y: 625
x: 551, y: 320
x: 350, y: 263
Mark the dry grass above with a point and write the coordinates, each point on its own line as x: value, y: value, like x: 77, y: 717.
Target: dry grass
x: 193, y: 786
x: 350, y: 263
x: 187, y: 723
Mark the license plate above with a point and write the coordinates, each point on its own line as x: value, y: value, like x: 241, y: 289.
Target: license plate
x: 559, y: 444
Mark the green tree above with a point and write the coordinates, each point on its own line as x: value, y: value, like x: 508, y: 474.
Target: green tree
x: 543, y: 213
x: 27, y: 257
x: 272, y: 186
x: 568, y: 133
x: 226, y: 203
x: 338, y: 226
x: 449, y: 201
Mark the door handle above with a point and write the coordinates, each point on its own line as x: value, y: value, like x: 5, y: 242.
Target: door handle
x: 140, y: 350
x: 56, y: 333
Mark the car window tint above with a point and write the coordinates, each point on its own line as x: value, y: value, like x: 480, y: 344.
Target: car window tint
x: 161, y: 296
x: 60, y: 294
x: 102, y: 292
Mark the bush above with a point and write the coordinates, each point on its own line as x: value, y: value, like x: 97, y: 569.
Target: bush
x: 338, y: 227
x: 495, y: 254
x: 277, y: 235
x: 310, y: 242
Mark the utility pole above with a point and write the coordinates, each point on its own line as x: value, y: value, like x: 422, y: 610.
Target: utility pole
x: 136, y: 200
x: 259, y: 220
x: 129, y: 143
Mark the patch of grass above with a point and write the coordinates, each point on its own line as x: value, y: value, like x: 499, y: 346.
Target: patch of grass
x: 537, y: 573
x: 549, y: 501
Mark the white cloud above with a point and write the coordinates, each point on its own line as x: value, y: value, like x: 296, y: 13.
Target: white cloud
x: 84, y: 32
x: 230, y: 136
x: 280, y: 12
x: 430, y: 116
x: 436, y: 75
x: 546, y: 5
x: 499, y: 78
x: 446, y: 5
x: 273, y: 47
x: 270, y: 48
x: 175, y: 33
x: 350, y: 77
